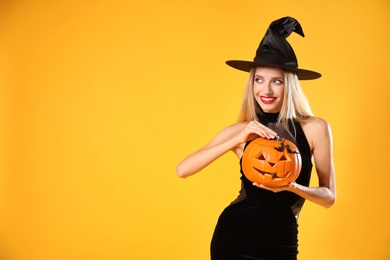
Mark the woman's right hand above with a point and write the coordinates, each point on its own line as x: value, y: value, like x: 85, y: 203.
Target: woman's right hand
x: 253, y: 130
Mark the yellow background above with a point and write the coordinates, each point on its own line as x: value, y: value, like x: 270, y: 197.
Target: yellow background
x: 101, y: 99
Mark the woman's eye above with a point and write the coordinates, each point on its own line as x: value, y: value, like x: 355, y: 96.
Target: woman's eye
x: 258, y: 80
x: 278, y: 82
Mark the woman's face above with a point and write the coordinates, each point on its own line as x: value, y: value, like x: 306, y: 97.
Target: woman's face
x: 268, y: 88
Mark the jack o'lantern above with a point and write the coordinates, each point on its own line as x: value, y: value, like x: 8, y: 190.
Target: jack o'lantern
x: 273, y: 163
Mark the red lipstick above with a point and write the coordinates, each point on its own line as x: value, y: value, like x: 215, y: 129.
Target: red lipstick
x: 267, y: 100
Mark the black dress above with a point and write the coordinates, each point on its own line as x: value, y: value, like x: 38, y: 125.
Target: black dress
x: 261, y: 224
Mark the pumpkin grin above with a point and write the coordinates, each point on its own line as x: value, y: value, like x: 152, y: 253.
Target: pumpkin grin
x: 273, y: 175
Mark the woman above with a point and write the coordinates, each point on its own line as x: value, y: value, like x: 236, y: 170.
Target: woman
x: 262, y: 222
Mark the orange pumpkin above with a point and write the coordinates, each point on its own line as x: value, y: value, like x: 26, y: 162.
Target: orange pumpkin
x: 274, y: 163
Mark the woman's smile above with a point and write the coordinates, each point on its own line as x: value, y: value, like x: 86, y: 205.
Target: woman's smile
x: 267, y: 100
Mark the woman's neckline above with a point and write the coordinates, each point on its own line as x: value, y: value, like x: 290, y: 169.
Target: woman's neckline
x: 266, y: 117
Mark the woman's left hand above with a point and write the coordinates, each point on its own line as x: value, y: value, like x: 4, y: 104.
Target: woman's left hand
x: 289, y: 187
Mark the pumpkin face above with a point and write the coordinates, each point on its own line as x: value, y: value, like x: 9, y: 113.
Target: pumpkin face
x: 274, y: 163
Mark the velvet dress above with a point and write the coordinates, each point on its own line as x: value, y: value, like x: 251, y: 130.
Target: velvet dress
x: 260, y: 224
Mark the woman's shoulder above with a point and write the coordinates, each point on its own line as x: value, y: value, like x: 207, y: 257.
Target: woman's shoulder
x: 315, y: 128
x: 229, y: 132
x: 233, y: 128
x: 314, y: 120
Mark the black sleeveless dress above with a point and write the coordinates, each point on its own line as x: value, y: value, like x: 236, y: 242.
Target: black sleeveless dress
x: 261, y: 224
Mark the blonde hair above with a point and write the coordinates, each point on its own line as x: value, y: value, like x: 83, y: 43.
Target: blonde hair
x: 295, y: 104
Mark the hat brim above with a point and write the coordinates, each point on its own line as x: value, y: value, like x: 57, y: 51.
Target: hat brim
x: 248, y: 65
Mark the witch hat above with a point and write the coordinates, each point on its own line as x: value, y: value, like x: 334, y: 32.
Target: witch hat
x: 275, y: 51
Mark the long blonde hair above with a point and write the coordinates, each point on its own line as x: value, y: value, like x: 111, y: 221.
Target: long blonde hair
x: 295, y: 104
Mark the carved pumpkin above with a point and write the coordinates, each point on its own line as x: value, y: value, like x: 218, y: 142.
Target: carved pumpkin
x: 274, y: 163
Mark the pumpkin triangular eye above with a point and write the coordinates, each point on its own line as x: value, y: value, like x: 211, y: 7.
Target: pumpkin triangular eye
x: 262, y: 157
x: 283, y: 158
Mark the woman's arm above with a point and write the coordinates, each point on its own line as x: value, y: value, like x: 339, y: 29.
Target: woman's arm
x: 325, y: 194
x: 319, y: 135
x: 231, y: 138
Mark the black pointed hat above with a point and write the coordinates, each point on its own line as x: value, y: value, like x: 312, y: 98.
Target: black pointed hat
x: 275, y: 51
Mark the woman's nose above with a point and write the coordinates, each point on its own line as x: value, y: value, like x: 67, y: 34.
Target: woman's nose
x: 268, y: 89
